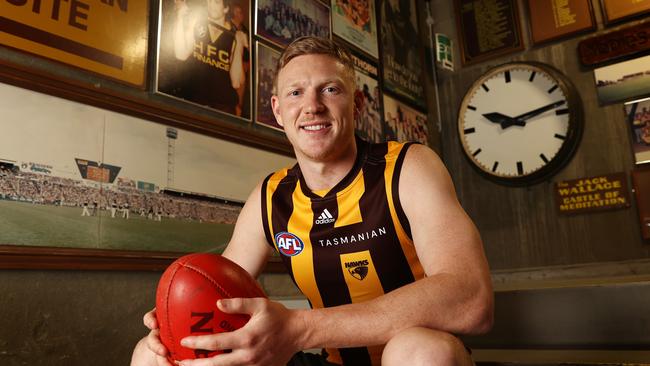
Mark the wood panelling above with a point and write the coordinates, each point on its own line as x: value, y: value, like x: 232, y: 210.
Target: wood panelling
x: 519, y: 226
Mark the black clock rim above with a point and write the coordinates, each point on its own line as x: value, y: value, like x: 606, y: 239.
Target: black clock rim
x: 568, y: 149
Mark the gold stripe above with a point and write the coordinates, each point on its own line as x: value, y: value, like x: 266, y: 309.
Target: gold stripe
x: 394, y: 150
x: 300, y: 224
x: 271, y: 187
x: 362, y: 286
x: 348, y: 202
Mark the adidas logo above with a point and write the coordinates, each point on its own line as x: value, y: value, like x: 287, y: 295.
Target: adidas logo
x: 325, y: 217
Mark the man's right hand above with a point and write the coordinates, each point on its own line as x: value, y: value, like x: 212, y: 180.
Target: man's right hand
x: 150, y: 351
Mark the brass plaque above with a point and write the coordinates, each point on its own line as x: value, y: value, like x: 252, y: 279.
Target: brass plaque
x: 603, y: 192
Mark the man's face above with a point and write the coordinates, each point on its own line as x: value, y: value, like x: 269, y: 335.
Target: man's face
x: 315, y: 105
x: 216, y: 10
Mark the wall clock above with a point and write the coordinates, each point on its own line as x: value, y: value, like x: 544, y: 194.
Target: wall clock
x: 520, y: 122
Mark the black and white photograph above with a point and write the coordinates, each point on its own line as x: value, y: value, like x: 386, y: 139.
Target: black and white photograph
x: 282, y: 21
x: 401, y: 57
x: 267, y: 58
x: 204, y: 54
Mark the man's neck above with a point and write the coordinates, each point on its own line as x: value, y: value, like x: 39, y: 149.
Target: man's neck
x: 323, y: 175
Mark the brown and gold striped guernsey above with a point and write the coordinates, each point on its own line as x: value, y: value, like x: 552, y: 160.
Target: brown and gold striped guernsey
x: 352, y: 244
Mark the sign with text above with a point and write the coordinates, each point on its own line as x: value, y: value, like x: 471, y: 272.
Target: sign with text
x: 604, y: 192
x: 488, y: 28
x: 108, y: 37
x: 553, y: 19
x: 613, y: 45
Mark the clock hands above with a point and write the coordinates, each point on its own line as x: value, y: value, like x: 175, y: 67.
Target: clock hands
x: 507, y: 121
x: 538, y: 111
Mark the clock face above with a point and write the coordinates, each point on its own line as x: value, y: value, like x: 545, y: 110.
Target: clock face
x: 519, y: 122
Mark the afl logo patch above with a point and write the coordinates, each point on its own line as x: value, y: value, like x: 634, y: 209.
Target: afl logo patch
x: 288, y: 244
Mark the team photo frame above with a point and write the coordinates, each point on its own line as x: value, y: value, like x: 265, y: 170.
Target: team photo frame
x: 267, y: 59
x: 355, y: 22
x: 282, y: 21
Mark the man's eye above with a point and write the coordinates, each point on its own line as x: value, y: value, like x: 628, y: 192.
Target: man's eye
x: 294, y: 93
x: 331, y: 89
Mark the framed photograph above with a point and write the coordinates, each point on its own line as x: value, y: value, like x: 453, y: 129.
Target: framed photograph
x: 282, y: 21
x: 204, y: 55
x: 401, y: 51
x: 496, y: 34
x: 624, y: 81
x: 267, y: 59
x: 355, y: 22
x: 638, y: 118
x: 114, y: 187
x: 367, y: 100
x: 615, y: 10
x: 110, y: 40
x: 404, y: 123
x: 551, y: 19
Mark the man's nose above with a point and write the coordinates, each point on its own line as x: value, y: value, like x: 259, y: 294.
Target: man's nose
x: 313, y: 102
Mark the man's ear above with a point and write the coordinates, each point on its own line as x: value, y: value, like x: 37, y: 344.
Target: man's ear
x: 275, y: 106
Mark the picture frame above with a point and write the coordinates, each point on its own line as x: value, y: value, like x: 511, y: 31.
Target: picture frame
x: 623, y: 81
x: 105, y: 40
x: 550, y: 20
x: 368, y: 101
x: 404, y: 123
x: 222, y: 60
x: 100, y: 197
x: 356, y: 22
x: 267, y: 58
x: 615, y: 11
x: 305, y: 18
x: 402, y: 58
x: 637, y: 116
x: 498, y: 34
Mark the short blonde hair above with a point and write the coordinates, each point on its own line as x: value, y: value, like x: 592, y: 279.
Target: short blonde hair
x: 309, y: 45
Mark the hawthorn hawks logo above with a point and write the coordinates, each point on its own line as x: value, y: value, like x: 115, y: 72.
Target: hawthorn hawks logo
x: 288, y: 244
x: 358, y: 269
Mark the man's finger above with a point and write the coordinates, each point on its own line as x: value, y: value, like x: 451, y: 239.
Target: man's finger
x: 240, y: 305
x: 150, y: 320
x: 212, y: 342
x: 154, y: 343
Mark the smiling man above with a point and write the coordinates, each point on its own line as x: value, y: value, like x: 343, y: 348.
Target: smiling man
x: 372, y: 234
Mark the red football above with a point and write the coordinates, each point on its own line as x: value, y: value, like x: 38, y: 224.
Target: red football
x: 186, y: 300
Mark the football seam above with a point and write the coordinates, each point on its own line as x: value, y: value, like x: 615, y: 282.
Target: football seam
x: 169, y: 323
x: 209, y: 278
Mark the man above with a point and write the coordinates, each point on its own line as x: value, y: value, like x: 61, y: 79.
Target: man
x: 215, y: 50
x: 390, y: 262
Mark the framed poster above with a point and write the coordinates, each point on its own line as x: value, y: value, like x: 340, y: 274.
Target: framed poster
x: 367, y: 101
x: 401, y: 51
x: 638, y: 118
x: 282, y: 21
x: 355, y: 22
x: 624, y: 81
x: 488, y: 29
x: 204, y: 55
x: 404, y: 123
x: 106, y: 38
x: 616, y: 10
x: 267, y: 59
x: 554, y: 19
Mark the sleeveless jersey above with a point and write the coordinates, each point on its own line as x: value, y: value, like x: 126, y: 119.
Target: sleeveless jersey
x: 210, y: 76
x: 349, y: 246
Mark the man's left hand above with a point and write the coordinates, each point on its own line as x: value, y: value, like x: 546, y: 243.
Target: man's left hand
x: 270, y: 338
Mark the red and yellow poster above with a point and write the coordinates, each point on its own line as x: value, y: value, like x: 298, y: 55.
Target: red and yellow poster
x: 108, y: 37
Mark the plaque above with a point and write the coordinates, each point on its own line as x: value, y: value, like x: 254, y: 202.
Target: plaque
x: 614, y: 45
x: 599, y: 193
x: 553, y: 19
x: 488, y: 28
x: 616, y: 10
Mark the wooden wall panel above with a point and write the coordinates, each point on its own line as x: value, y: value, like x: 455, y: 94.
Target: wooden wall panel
x: 519, y: 226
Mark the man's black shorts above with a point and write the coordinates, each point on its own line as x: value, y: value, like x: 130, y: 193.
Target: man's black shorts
x: 309, y: 359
